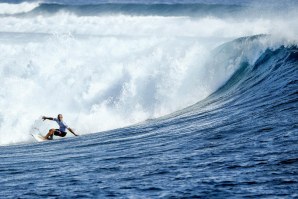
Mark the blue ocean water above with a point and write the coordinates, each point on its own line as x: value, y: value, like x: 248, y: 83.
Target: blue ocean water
x: 238, y: 141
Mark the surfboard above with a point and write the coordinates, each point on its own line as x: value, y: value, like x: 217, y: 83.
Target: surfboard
x: 38, y: 137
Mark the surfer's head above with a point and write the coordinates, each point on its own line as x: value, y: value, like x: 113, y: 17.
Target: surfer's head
x: 60, y: 117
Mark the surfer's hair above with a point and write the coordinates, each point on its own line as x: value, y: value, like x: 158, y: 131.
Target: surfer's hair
x: 58, y: 116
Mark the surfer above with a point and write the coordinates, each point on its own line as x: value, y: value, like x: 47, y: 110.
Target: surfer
x: 62, y: 127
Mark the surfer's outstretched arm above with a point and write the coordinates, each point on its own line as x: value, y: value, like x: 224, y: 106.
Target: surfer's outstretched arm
x: 47, y: 118
x: 72, y: 131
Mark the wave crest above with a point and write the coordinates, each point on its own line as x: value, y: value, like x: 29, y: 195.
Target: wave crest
x: 7, y: 8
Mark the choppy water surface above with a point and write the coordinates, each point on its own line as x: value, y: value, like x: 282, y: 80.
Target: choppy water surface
x: 238, y: 139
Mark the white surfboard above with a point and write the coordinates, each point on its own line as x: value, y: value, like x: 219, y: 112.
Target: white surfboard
x: 39, y: 138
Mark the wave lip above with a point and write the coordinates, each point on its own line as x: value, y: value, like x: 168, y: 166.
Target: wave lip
x: 7, y: 8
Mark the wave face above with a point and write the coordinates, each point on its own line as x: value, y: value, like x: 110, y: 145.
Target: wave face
x: 185, y: 105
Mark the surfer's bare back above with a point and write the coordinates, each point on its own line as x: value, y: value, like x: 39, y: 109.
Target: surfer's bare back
x: 62, y: 127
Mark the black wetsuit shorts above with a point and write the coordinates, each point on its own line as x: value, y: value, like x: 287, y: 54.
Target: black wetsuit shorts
x: 59, y: 133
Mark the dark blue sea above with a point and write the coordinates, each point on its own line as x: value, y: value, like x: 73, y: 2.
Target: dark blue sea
x: 171, y: 99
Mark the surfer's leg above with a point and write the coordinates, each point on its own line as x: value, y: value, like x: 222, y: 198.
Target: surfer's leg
x: 50, y: 133
x: 50, y: 137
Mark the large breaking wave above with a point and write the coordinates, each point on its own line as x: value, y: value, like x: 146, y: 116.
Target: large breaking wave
x: 105, y: 72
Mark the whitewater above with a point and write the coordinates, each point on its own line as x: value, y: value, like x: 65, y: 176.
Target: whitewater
x: 171, y: 99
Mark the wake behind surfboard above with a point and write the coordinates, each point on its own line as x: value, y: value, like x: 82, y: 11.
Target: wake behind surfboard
x: 38, y: 137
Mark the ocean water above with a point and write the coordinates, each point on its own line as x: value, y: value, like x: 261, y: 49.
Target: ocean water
x: 172, y: 99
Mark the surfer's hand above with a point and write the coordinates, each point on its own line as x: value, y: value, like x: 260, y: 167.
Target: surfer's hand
x: 44, y: 118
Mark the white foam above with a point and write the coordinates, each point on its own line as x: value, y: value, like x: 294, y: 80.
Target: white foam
x: 7, y: 8
x: 110, y: 71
